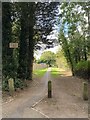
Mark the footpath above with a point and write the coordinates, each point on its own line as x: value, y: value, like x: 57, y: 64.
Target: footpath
x: 66, y: 101
x: 22, y: 105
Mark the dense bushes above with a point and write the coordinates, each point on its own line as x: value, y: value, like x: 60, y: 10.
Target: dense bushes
x: 82, y: 69
x: 17, y: 84
x: 5, y: 84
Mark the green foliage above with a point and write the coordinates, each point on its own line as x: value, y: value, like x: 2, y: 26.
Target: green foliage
x: 19, y: 21
x: 7, y: 56
x: 31, y: 31
x: 19, y: 83
x: 82, y: 68
x: 5, y: 86
x: 61, y: 61
x: 48, y: 57
x: 73, y: 36
x: 18, y: 25
x: 82, y: 65
x: 39, y: 73
x: 10, y: 69
x: 55, y: 72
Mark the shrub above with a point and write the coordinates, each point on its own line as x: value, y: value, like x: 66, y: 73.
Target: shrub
x: 82, y: 69
x: 82, y: 65
x: 5, y: 86
x: 18, y: 83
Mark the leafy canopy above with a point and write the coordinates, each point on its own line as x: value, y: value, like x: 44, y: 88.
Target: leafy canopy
x: 47, y: 57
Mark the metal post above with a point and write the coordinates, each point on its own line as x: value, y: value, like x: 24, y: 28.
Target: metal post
x: 85, y: 90
x: 49, y: 89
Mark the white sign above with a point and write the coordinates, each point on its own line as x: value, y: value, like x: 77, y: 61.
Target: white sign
x: 13, y: 45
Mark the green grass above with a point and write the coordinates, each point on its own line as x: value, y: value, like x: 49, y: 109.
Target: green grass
x: 55, y: 72
x: 39, y: 73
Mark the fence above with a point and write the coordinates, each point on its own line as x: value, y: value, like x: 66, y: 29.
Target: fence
x: 39, y: 66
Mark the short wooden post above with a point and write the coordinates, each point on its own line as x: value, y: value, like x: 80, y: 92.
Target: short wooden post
x: 49, y: 89
x: 11, y: 86
x: 85, y: 90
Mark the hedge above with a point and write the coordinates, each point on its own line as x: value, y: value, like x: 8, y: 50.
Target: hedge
x: 82, y: 69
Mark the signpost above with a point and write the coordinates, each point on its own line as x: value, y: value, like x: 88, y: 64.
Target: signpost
x: 13, y: 45
x: 11, y: 80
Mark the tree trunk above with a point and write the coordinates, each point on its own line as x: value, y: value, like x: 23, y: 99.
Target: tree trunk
x: 7, y: 56
x: 85, y: 54
x: 31, y: 40
x: 22, y: 69
x: 69, y: 56
x: 30, y: 54
x: 71, y: 62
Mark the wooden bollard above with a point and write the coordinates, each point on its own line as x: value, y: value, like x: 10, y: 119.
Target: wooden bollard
x: 49, y: 89
x: 11, y: 86
x: 85, y: 90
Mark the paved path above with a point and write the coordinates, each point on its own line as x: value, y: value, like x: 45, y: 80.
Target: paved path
x: 0, y: 93
x: 21, y: 107
x: 66, y: 101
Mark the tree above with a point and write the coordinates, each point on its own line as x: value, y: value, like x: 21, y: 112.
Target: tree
x: 61, y: 60
x: 30, y: 22
x: 73, y: 35
x: 8, y: 69
x: 23, y: 44
x: 46, y: 14
x: 34, y: 15
x: 47, y: 57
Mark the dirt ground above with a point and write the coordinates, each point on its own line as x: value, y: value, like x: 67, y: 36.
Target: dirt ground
x: 32, y: 102
x: 66, y: 101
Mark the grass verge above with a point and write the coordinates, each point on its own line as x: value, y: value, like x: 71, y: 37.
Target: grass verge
x: 55, y: 72
x: 39, y: 73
